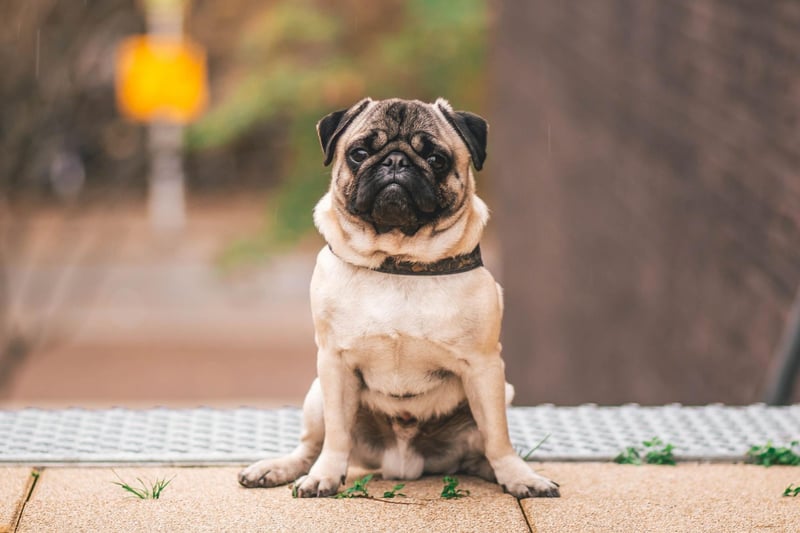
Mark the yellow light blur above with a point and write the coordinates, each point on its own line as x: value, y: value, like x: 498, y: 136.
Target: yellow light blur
x: 161, y: 78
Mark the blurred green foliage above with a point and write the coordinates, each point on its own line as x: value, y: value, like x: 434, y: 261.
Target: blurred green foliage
x: 301, y: 59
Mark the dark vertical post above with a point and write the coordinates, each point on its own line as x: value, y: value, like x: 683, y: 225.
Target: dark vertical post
x: 783, y: 370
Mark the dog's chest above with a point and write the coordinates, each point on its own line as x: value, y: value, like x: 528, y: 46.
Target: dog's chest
x: 393, y: 325
x: 391, y: 322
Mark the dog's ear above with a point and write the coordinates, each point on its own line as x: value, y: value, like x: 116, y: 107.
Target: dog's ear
x: 470, y: 127
x: 331, y: 127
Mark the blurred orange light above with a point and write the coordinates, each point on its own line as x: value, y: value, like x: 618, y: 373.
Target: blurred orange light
x: 161, y: 78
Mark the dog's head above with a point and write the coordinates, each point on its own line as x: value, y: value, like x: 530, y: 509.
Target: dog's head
x: 402, y: 164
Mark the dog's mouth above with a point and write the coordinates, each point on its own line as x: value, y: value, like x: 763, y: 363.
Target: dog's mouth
x: 404, y: 201
x: 394, y: 208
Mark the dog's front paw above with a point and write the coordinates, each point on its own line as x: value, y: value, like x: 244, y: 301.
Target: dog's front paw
x: 519, y: 480
x: 272, y: 472
x: 315, y: 487
x: 324, y: 478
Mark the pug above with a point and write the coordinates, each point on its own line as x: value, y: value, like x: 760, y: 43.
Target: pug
x: 407, y: 319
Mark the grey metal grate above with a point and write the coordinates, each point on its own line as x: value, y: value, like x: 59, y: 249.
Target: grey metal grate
x: 214, y: 436
x: 201, y: 435
x: 712, y: 432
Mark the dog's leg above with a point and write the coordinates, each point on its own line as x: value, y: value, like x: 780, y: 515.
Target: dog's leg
x: 475, y: 464
x: 340, y: 399
x: 273, y: 472
x: 484, y: 384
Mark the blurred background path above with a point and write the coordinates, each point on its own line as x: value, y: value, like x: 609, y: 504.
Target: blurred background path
x: 143, y: 321
x: 641, y: 172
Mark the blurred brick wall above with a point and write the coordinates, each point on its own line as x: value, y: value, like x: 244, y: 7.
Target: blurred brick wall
x: 645, y: 158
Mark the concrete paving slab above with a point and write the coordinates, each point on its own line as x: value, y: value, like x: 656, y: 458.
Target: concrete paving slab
x: 15, y: 483
x: 210, y: 499
x: 688, y: 497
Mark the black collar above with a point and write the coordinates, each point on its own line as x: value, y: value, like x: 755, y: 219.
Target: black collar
x: 449, y: 265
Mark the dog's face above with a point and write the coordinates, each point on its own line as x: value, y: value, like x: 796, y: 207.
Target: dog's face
x: 402, y: 164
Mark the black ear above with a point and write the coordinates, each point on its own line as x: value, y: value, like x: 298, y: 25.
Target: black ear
x: 471, y: 128
x: 331, y: 127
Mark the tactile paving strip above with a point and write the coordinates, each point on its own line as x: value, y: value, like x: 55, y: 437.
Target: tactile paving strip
x: 215, y: 436
x: 706, y: 433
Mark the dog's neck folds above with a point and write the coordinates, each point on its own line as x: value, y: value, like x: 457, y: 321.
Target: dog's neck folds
x: 356, y: 242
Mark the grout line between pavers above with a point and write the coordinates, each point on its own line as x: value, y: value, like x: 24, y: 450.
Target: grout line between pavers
x: 36, y: 473
x: 531, y: 527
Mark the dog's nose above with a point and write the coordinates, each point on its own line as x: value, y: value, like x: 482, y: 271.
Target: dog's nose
x: 396, y: 160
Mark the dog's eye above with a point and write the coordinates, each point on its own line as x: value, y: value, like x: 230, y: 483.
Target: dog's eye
x: 437, y: 162
x: 358, y: 155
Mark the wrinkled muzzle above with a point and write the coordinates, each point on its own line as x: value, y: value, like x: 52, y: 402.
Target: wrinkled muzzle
x: 394, y: 194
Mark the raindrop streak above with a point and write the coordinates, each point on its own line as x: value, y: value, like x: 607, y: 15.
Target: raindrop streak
x: 38, y: 34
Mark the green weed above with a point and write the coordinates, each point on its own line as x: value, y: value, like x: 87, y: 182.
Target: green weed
x: 358, y: 490
x: 658, y: 452
x: 394, y: 492
x: 449, y: 491
x: 653, y: 452
x: 791, y: 490
x: 630, y: 456
x: 769, y: 455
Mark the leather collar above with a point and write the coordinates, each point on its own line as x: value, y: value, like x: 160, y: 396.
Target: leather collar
x: 450, y: 265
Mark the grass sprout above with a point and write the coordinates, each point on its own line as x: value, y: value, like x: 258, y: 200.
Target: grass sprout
x: 449, y: 491
x: 768, y: 454
x: 526, y: 455
x: 791, y: 490
x: 148, y: 491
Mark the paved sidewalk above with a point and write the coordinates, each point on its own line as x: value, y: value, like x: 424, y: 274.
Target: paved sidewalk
x: 595, y: 497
